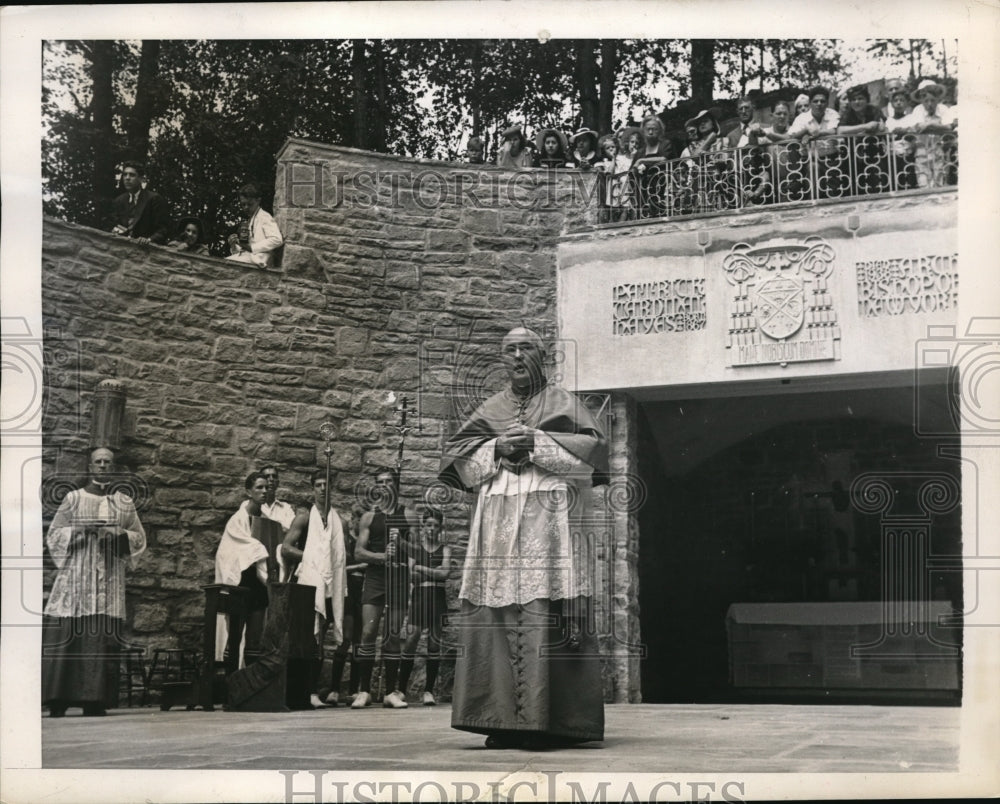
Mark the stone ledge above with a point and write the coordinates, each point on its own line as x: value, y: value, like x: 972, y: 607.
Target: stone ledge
x: 154, y: 250
x: 758, y: 215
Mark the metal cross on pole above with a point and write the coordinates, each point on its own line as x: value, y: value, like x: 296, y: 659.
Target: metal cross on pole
x: 326, y: 432
x: 395, y: 578
x: 401, y: 428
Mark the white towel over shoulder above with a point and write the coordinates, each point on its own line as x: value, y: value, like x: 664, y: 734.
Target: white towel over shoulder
x: 324, y: 565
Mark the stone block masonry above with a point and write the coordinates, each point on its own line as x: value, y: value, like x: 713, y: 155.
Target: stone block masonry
x: 402, y: 278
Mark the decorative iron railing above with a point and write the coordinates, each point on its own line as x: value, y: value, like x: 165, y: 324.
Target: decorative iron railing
x: 824, y: 168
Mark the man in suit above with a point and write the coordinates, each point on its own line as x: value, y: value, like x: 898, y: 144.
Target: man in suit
x: 140, y: 213
x: 740, y: 136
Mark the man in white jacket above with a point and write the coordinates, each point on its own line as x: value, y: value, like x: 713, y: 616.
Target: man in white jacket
x: 259, y: 240
x: 315, y: 541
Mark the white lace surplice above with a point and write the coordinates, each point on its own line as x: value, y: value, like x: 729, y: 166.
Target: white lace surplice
x: 529, y: 537
x: 90, y: 581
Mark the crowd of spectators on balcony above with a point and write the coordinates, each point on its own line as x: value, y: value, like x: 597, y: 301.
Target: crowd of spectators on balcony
x: 818, y: 144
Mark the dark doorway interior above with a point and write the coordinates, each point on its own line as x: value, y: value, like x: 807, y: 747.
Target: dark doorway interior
x: 750, y: 502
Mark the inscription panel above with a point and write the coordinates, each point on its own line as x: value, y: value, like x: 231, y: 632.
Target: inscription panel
x: 907, y: 285
x: 666, y: 305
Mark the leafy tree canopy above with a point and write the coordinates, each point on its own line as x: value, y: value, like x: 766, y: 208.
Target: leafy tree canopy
x: 206, y: 116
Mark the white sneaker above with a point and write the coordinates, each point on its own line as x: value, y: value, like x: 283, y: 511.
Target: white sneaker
x: 394, y: 700
x: 429, y: 699
x: 316, y: 702
x: 361, y: 700
x: 333, y: 699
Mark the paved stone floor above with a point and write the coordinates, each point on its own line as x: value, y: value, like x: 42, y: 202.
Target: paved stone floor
x: 639, y: 738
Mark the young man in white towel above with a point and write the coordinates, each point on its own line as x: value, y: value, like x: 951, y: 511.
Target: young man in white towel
x: 315, y: 542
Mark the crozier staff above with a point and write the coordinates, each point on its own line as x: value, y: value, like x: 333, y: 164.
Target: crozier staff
x: 529, y: 672
x: 95, y: 534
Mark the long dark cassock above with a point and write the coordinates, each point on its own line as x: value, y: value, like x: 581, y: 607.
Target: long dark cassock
x: 529, y: 661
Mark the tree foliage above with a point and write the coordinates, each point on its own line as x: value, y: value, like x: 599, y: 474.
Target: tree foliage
x: 209, y: 115
x: 922, y: 57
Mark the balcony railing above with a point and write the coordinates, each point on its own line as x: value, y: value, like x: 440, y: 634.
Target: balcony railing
x: 825, y: 168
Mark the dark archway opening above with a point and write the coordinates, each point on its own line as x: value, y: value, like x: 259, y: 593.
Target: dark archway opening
x: 749, y: 503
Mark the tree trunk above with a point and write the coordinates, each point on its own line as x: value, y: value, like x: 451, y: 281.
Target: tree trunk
x: 358, y: 60
x: 586, y: 79
x: 102, y: 118
x: 609, y: 71
x: 760, y: 42
x: 141, y: 117
x: 702, y: 72
x: 477, y: 87
x: 743, y: 70
x: 294, y: 83
x: 379, y: 118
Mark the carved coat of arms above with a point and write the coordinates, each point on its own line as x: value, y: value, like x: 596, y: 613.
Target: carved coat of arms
x: 782, y: 310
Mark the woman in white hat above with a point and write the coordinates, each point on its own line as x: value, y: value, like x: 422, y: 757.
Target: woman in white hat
x: 707, y: 134
x: 585, y: 154
x: 936, y: 156
x: 930, y: 116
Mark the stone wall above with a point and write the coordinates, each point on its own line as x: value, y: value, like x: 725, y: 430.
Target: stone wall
x: 229, y: 366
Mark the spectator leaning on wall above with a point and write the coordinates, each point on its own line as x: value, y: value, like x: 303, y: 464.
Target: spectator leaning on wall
x: 140, y: 213
x: 258, y: 240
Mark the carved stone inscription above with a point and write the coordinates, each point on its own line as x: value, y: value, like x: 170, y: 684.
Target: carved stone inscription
x: 667, y: 305
x: 902, y: 285
x: 781, y: 310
